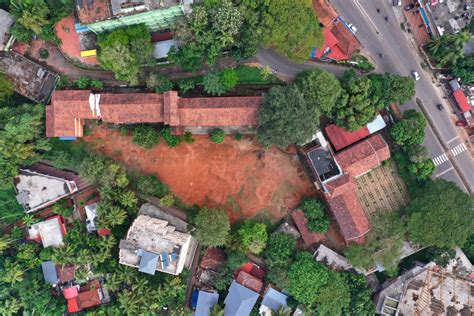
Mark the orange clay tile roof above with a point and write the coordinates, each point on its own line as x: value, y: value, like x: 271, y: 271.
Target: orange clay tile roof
x: 363, y: 156
x: 328, y: 17
x: 69, y: 108
x: 309, y: 238
x: 249, y: 281
x: 66, y: 273
x: 349, y: 216
x: 340, y: 185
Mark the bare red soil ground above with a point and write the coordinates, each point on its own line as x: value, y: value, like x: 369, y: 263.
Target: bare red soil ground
x: 236, y: 175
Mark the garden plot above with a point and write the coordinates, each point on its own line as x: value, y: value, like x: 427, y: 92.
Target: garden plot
x: 382, y: 189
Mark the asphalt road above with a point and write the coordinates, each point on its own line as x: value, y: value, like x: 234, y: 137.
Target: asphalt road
x: 379, y: 36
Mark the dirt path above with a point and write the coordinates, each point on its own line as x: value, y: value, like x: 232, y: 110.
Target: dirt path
x: 236, y: 175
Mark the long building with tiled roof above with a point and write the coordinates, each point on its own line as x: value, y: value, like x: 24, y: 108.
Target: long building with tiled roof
x: 69, y: 109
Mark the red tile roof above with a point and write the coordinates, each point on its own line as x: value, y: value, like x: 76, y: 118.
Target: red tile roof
x: 249, y: 281
x: 347, y: 43
x: 341, y: 138
x: 104, y: 231
x: 93, y: 11
x: 70, y: 292
x: 340, y: 185
x: 88, y: 296
x: 213, y: 259
x: 363, y: 156
x: 349, y: 216
x: 72, y: 305
x: 69, y: 108
x: 309, y: 238
x: 330, y: 45
x: 461, y: 100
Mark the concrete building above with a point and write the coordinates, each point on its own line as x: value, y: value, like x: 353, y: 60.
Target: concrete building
x: 445, y: 16
x: 29, y: 79
x: 154, y: 244
x: 6, y: 21
x: 49, y: 232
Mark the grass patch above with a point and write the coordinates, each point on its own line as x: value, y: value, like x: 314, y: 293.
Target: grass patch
x: 67, y: 154
x: 253, y: 75
x: 10, y: 210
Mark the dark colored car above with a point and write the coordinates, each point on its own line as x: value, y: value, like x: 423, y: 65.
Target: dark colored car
x: 461, y: 123
x: 439, y: 106
x: 409, y: 7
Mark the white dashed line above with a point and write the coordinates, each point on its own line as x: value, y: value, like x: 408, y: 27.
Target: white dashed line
x: 458, y: 149
x: 440, y: 159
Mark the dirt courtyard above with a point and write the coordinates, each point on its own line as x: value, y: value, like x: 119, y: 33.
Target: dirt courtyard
x: 236, y: 175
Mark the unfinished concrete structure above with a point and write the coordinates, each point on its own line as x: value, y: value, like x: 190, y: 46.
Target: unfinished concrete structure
x: 154, y: 244
x: 31, y: 80
x: 49, y: 232
x: 6, y: 21
x: 427, y: 290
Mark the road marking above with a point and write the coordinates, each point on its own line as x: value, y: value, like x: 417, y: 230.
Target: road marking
x: 356, y: 2
x: 452, y: 139
x: 443, y: 172
x: 440, y: 159
x: 458, y: 149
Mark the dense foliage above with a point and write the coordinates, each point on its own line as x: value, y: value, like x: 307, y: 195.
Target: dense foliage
x: 292, y: 28
x: 159, y: 83
x: 440, y: 215
x: 410, y: 130
x: 145, y: 136
x: 218, y: 136
x: 212, y: 227
x: 280, y: 250
x: 22, y: 140
x: 250, y: 237
x: 6, y: 87
x: 150, y: 185
x: 448, y: 49
x: 287, y: 117
x: 125, y: 50
x: 314, y: 211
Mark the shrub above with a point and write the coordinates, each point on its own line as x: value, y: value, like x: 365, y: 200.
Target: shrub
x: 96, y: 83
x: 228, y: 78
x: 150, y: 185
x: 145, y: 136
x: 212, y: 84
x: 185, y: 85
x: 251, y: 236
x: 218, y: 135
x: 159, y: 83
x: 168, y: 200
x: 43, y: 53
x: 238, y: 136
x: 188, y: 138
x: 212, y: 227
x: 318, y: 221
x: 170, y: 139
x: 83, y: 82
x: 124, y: 131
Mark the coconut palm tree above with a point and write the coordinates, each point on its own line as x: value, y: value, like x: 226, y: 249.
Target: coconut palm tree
x: 128, y: 199
x: 113, y: 282
x: 114, y: 216
x: 139, y: 285
x: 29, y: 220
x: 10, y: 306
x: 216, y: 310
x: 64, y: 255
x: 12, y: 273
x: 5, y: 242
x: 282, y: 311
x: 129, y: 302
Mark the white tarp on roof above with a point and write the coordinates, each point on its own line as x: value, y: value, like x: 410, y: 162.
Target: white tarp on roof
x: 376, y: 125
x: 162, y: 48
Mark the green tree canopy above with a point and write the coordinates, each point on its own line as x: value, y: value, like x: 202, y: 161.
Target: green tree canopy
x: 287, y: 117
x: 291, y: 27
x: 321, y: 88
x: 212, y: 227
x: 448, y: 49
x: 6, y: 87
x: 390, y: 88
x: 250, y: 237
x: 21, y: 138
x: 440, y: 215
x: 318, y: 220
x: 281, y: 248
x: 411, y: 130
x: 464, y: 69
x: 356, y: 106
x: 125, y: 50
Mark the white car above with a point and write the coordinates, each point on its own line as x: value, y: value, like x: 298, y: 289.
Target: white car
x: 352, y: 28
x: 415, y: 75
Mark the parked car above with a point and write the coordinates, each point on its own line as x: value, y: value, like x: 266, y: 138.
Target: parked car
x: 397, y: 3
x: 461, y: 123
x: 409, y: 7
x: 439, y: 106
x: 415, y: 75
x: 352, y: 28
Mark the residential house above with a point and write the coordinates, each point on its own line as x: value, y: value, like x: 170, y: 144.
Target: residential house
x: 205, y: 302
x: 445, y: 17
x: 42, y: 185
x: 251, y: 276
x: 339, y: 42
x: 69, y: 109
x: 272, y: 301
x: 83, y: 297
x: 6, y: 21
x: 57, y: 274
x: 31, y: 80
x: 239, y: 301
x: 154, y: 244
x: 105, y: 15
x: 49, y: 232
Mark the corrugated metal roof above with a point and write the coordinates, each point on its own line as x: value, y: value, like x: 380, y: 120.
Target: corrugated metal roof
x: 205, y: 302
x: 148, y: 262
x: 274, y: 299
x: 239, y: 301
x: 49, y: 272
